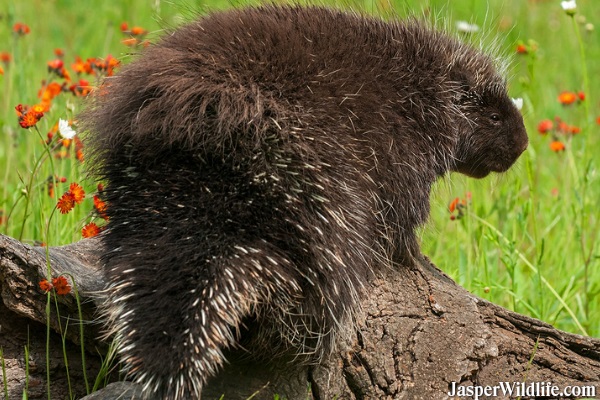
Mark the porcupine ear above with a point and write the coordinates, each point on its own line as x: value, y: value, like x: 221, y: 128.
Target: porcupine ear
x: 462, y: 86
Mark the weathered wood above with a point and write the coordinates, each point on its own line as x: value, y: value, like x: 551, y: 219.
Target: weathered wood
x: 419, y: 332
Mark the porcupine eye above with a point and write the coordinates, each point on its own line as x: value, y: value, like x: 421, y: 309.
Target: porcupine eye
x: 496, y: 119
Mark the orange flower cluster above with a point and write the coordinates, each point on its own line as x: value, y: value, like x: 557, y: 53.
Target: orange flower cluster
x: 60, y: 285
x: 48, y: 92
x: 567, y: 98
x: 556, y: 128
x: 67, y: 201
x: 57, y: 66
x: 135, y: 35
x: 29, y: 116
x: 458, y: 206
x: 21, y: 29
x: 100, y: 207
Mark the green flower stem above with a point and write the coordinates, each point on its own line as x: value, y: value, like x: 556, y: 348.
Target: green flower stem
x: 584, y: 71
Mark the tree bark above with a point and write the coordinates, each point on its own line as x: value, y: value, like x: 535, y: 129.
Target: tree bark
x: 418, y: 335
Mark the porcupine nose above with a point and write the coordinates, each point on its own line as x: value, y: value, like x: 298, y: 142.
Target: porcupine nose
x: 522, y: 140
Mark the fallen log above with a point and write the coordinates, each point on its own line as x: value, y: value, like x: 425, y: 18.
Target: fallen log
x: 420, y: 336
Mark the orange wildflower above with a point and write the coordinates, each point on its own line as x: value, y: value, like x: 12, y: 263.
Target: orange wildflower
x: 5, y: 57
x: 77, y: 192
x: 567, y: 98
x: 61, y: 285
x: 21, y: 29
x: 138, y: 31
x: 459, y: 205
x: 545, y: 126
x: 81, y: 88
x: 65, y: 203
x: 90, y: 230
x: 557, y: 146
x: 28, y: 117
x: 54, y: 89
x: 130, y: 42
x: 521, y: 49
x: 1, y: 70
x: 453, y: 204
x: 107, y: 65
x: 45, y: 285
x: 55, y: 65
x: 81, y: 67
x: 100, y: 207
x: 59, y: 53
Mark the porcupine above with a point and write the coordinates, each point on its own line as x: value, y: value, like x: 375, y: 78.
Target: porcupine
x: 262, y: 163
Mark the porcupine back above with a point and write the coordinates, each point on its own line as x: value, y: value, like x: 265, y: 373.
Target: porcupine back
x: 261, y: 164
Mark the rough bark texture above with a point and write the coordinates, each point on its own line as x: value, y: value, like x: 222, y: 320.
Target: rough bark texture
x: 419, y: 332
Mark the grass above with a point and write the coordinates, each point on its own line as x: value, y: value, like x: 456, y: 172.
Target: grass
x: 527, y: 240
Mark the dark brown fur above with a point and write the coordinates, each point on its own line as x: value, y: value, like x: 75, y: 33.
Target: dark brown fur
x: 263, y: 163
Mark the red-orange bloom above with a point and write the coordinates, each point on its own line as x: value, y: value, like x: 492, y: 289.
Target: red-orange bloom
x: 100, y: 207
x: 59, y: 53
x: 90, y: 230
x: 81, y: 67
x: 77, y: 192
x: 55, y: 64
x: 28, y: 117
x: 453, y: 204
x: 21, y: 29
x: 581, y: 96
x: 566, y: 98
x: 45, y: 285
x: 557, y: 146
x: 521, y: 49
x: 107, y: 65
x: 61, y: 285
x: 81, y: 88
x: 50, y: 91
x: 138, y: 31
x: 65, y: 203
x: 130, y: 42
x: 545, y: 126
x: 5, y: 57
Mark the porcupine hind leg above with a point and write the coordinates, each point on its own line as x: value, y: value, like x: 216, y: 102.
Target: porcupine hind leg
x: 190, y: 262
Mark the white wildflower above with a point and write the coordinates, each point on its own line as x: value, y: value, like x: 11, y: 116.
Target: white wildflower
x: 518, y: 103
x: 569, y: 6
x: 65, y: 130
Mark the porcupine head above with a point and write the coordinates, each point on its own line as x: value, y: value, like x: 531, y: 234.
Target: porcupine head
x: 260, y: 164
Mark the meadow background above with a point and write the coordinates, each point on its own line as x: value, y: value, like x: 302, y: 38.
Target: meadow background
x: 528, y: 239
